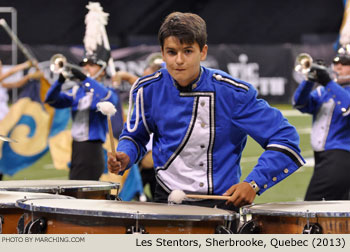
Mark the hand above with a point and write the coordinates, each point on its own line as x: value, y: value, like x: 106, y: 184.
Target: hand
x: 117, y: 78
x: 118, y: 162
x: 34, y: 63
x: 28, y: 64
x: 319, y: 75
x: 36, y: 75
x: 61, y: 78
x: 241, y: 194
x: 77, y: 74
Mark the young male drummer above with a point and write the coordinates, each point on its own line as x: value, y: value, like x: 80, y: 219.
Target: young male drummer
x: 200, y: 118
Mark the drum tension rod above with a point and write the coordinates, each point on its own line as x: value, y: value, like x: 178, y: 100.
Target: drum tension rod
x: 137, y: 229
x: 311, y: 228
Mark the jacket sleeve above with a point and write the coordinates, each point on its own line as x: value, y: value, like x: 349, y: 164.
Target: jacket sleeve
x: 271, y: 130
x: 134, y: 142
x: 304, y: 99
x: 58, y: 99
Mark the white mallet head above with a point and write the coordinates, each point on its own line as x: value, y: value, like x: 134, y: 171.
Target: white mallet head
x: 106, y: 108
x: 176, y: 196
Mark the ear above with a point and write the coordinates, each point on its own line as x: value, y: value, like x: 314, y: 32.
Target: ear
x: 204, y: 52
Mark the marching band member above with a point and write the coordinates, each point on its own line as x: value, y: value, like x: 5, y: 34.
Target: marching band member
x: 200, y: 119
x: 89, y: 127
x: 329, y: 105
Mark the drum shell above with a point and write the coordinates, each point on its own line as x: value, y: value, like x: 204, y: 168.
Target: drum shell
x: 11, y: 214
x: 10, y: 217
x: 75, y: 224
x: 326, y: 217
x: 296, y: 225
x: 116, y: 221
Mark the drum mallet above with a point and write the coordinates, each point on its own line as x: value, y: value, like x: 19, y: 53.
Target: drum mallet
x: 108, y: 109
x: 177, y: 196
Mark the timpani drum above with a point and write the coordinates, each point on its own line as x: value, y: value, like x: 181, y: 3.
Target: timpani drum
x: 84, y: 216
x: 82, y: 189
x: 10, y: 214
x: 308, y: 217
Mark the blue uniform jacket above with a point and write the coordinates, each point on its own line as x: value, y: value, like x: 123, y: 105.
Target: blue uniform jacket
x: 199, y: 134
x: 329, y: 106
x: 88, y: 123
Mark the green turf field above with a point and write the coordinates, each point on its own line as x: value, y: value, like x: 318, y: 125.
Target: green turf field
x: 291, y: 189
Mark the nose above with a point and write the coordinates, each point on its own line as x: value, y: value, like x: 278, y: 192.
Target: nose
x: 179, y: 59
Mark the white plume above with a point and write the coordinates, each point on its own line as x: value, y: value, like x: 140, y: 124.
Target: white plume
x: 95, y: 22
x: 345, y: 27
x: 106, y: 108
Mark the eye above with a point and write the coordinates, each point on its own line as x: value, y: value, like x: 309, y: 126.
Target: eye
x: 171, y: 52
x: 188, y: 51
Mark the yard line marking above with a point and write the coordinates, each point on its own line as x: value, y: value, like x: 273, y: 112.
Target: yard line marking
x: 293, y: 112
x: 304, y: 130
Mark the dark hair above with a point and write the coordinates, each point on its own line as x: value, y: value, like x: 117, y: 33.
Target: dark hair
x: 187, y: 27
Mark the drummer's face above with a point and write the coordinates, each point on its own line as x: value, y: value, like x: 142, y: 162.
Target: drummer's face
x: 342, y: 71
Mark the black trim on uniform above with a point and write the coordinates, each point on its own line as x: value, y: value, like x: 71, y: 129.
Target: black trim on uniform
x: 189, y: 133
x: 284, y: 151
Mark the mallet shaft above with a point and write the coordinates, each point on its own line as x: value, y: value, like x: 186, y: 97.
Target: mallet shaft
x: 198, y: 196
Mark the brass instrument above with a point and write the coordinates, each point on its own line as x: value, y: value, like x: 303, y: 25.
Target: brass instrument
x: 303, y: 63
x: 60, y: 65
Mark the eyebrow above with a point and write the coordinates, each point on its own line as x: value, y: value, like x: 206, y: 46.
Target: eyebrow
x: 172, y: 48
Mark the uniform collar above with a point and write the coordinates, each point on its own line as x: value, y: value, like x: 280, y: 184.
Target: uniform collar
x: 191, y: 86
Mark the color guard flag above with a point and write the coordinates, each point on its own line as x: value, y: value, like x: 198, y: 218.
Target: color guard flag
x: 30, y: 123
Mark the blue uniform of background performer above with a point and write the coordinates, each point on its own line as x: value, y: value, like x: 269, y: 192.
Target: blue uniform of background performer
x: 200, y: 132
x: 330, y: 137
x: 89, y: 126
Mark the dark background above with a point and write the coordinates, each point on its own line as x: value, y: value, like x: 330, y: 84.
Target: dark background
x: 133, y: 22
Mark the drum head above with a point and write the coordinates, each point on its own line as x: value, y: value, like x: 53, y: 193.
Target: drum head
x: 56, y: 186
x: 131, y: 210
x: 301, y: 209
x: 8, y: 199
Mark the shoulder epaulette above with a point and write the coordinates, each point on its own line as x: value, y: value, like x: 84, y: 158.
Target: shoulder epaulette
x: 230, y: 81
x: 148, y: 78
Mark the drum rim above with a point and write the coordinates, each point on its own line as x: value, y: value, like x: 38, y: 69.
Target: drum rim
x: 307, y: 214
x: 31, y: 197
x: 65, y: 188
x: 230, y: 216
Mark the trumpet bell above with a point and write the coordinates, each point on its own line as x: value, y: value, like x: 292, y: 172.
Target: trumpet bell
x: 57, y: 63
x: 303, y: 63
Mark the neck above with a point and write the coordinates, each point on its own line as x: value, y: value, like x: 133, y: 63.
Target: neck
x: 189, y: 86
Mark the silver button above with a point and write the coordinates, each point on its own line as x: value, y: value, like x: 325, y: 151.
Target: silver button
x: 194, y: 86
x: 87, y: 84
x: 201, y: 184
x: 202, y: 146
x: 203, y: 124
x: 202, y: 103
x: 201, y: 164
